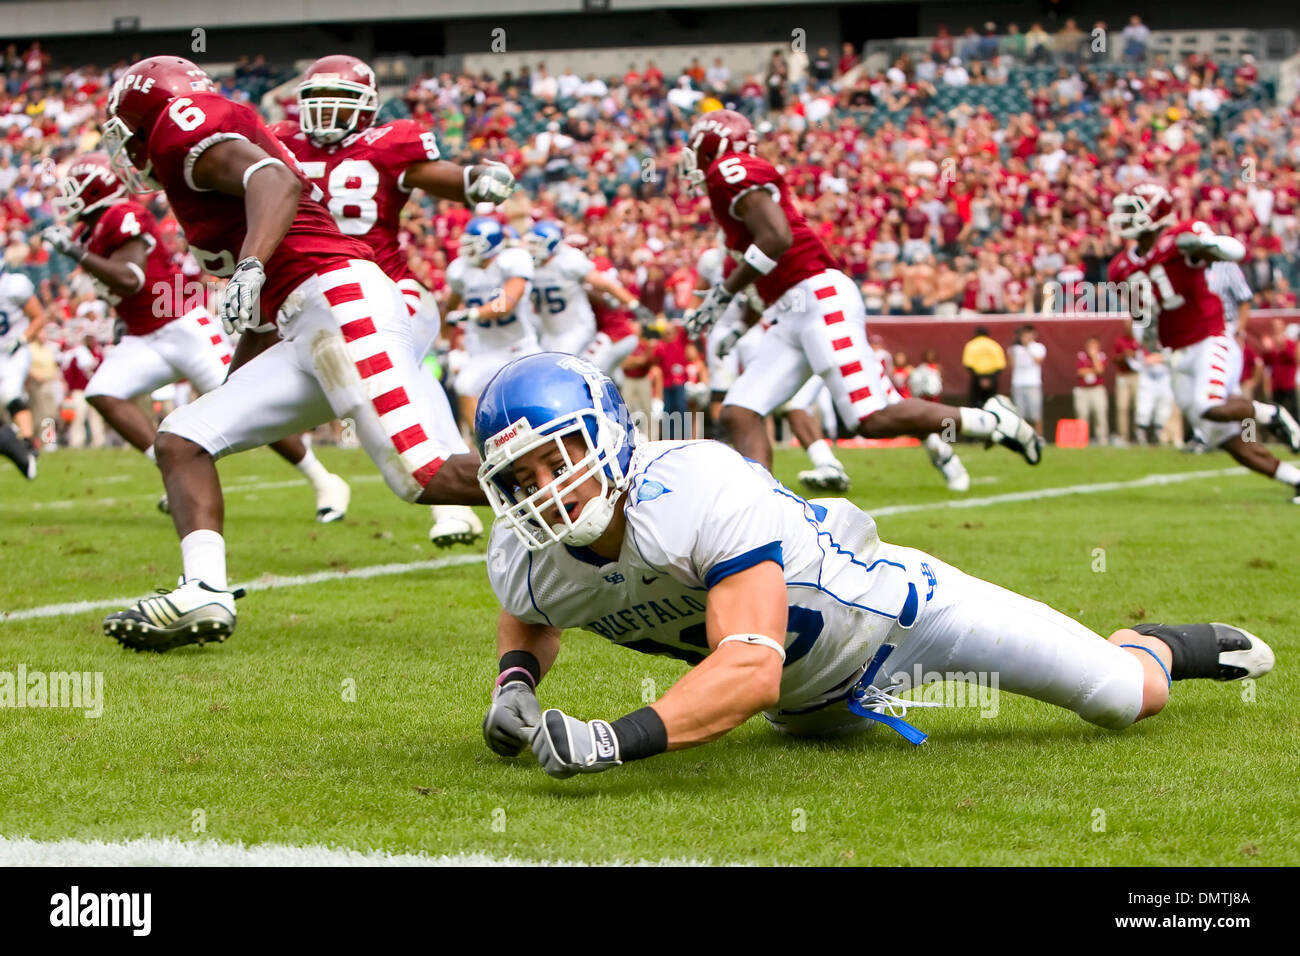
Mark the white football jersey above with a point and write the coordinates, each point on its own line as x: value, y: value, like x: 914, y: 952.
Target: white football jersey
x: 561, y: 311
x: 16, y: 290
x: 698, y: 512
x: 477, y: 286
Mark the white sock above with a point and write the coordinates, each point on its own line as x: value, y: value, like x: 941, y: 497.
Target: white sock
x: 313, y: 470
x: 820, y: 454
x: 1264, y: 414
x: 149, y: 453
x: 977, y: 423
x: 203, y: 554
x: 1287, y: 473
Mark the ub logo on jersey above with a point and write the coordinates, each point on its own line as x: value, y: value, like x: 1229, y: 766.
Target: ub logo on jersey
x: 650, y: 490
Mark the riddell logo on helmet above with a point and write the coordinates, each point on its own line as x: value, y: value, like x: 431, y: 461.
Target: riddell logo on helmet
x: 506, y: 437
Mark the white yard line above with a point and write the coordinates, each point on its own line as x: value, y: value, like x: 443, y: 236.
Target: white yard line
x: 235, y: 487
x: 173, y: 852
x: 1037, y: 494
x: 265, y: 583
x: 270, y: 581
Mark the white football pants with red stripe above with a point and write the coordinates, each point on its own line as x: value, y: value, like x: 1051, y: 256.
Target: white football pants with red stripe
x: 1207, y: 373
x: 193, y: 347
x: 347, y: 351
x: 818, y: 327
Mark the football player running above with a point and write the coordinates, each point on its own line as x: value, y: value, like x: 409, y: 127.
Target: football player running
x: 367, y: 173
x: 1165, y: 269
x: 116, y: 241
x: 819, y: 319
x: 734, y: 344
x: 558, y: 302
x: 21, y: 318
x: 489, y: 281
x: 329, y: 334
x: 617, y: 332
x: 790, y: 608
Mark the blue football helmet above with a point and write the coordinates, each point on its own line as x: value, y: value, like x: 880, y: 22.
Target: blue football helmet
x: 483, y: 238
x: 543, y: 239
x: 539, y: 399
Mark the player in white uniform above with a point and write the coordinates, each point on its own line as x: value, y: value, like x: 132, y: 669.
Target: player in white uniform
x: 790, y: 608
x: 1155, y: 393
x: 21, y: 317
x: 558, y: 304
x: 489, y: 284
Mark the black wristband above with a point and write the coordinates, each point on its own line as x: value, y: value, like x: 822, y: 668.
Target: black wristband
x: 521, y: 659
x: 640, y: 734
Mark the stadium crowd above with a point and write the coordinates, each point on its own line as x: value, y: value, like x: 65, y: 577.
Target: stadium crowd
x: 959, y: 181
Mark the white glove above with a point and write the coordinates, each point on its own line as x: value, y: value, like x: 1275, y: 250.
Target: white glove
x: 643, y: 313
x: 240, y: 307
x: 490, y: 182
x: 565, y: 745
x: 60, y: 239
x: 1190, y: 243
x: 457, y: 316
x: 701, y: 318
x: 728, y: 342
x: 512, y: 719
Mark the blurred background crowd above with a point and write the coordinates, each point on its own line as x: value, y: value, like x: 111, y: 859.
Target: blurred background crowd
x: 959, y: 179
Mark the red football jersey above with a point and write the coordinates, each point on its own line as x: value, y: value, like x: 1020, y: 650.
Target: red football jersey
x: 161, y: 298
x: 616, y: 322
x: 1188, y: 311
x: 730, y: 177
x: 214, y: 222
x: 362, y: 178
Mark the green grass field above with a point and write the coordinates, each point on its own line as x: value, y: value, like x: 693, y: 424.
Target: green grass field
x: 258, y: 733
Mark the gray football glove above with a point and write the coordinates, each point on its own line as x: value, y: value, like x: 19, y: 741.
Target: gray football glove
x: 1190, y: 243
x: 60, y: 239
x: 490, y: 182
x: 239, y: 307
x: 512, y: 718
x: 643, y: 314
x: 728, y: 342
x: 565, y: 745
x: 701, y: 318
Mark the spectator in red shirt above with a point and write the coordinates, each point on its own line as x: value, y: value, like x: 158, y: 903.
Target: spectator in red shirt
x: 79, y: 364
x: 1128, y: 359
x: 1280, y: 354
x: 1252, y: 366
x: 1090, y: 400
x: 674, y: 355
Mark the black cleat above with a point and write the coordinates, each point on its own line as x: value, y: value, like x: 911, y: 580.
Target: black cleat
x: 1285, y: 428
x: 193, y: 613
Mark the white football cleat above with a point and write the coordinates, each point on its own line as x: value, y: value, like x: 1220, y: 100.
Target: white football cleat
x: 191, y: 614
x: 1241, y: 653
x: 332, y: 500
x: 164, y: 505
x: 826, y: 478
x: 454, y: 524
x: 955, y: 474
x: 1013, y: 431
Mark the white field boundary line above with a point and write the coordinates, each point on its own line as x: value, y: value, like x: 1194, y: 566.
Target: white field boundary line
x: 228, y: 489
x: 265, y: 583
x: 270, y: 581
x: 1037, y: 494
x: 169, y: 851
